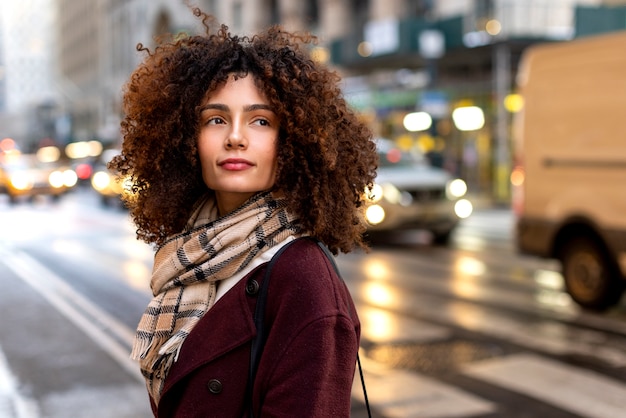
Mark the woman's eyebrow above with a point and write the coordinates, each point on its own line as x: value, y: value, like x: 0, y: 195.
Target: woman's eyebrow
x: 253, y: 107
x: 225, y: 108
x: 214, y: 106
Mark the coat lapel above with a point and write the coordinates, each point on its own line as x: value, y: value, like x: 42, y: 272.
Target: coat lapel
x: 230, y: 320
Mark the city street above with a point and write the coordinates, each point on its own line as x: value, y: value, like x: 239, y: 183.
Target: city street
x: 467, y: 330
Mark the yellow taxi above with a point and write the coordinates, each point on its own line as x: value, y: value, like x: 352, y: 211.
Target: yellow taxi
x: 110, y: 186
x: 25, y: 175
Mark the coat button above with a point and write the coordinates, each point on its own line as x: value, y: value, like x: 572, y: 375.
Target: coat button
x: 215, y: 386
x: 252, y: 287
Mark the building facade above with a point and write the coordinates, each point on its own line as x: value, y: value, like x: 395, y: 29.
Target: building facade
x: 27, y: 84
x: 97, y: 51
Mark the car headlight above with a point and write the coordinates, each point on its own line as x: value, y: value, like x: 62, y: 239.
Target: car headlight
x: 21, y: 181
x: 456, y: 188
x: 70, y: 178
x: 127, y: 186
x: 100, y: 180
x: 374, y: 194
x: 375, y: 214
x: 463, y: 208
x: 56, y: 179
x: 390, y: 193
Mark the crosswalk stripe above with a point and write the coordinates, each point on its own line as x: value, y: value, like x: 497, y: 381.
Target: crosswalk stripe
x: 552, y: 337
x: 398, y: 393
x: 573, y: 389
x: 383, y: 327
x: 405, y: 390
x: 12, y: 403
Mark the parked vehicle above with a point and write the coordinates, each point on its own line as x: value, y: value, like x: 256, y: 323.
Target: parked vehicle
x: 570, y: 193
x: 24, y: 175
x: 410, y: 193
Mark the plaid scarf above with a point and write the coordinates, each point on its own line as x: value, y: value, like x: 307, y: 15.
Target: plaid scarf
x: 187, y: 267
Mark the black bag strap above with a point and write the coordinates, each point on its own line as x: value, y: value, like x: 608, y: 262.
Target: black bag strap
x: 331, y: 257
x: 258, y: 343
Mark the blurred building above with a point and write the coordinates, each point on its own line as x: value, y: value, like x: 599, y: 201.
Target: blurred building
x: 396, y: 57
x: 445, y: 57
x: 27, y: 78
x: 79, y: 52
x: 97, y: 52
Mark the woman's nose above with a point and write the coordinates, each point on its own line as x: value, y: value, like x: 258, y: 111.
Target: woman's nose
x: 236, y: 138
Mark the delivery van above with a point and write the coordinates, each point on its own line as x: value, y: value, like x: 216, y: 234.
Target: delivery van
x: 570, y: 149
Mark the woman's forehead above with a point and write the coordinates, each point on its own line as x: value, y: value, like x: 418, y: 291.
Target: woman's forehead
x: 235, y: 78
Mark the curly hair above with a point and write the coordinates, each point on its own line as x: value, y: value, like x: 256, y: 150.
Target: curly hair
x: 326, y: 155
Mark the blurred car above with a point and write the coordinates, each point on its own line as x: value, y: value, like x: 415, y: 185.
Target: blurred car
x: 109, y: 185
x: 24, y: 175
x: 410, y: 193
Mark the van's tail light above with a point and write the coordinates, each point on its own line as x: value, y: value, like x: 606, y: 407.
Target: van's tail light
x: 517, y: 182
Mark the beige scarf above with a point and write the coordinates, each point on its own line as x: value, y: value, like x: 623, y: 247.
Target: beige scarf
x: 187, y: 267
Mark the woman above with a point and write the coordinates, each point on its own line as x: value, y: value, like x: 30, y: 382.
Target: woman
x: 238, y: 147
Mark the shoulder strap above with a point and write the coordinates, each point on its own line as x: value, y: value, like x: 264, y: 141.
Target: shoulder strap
x: 331, y: 257
x: 258, y: 343
x: 259, y: 313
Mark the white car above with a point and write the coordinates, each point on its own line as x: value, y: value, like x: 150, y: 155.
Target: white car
x: 410, y: 193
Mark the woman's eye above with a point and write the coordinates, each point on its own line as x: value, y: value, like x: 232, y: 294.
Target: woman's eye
x: 215, y: 120
x: 262, y: 122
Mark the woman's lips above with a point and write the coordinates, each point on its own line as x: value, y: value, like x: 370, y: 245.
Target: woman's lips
x: 235, y: 164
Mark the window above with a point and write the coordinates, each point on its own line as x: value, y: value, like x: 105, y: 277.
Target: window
x: 311, y: 13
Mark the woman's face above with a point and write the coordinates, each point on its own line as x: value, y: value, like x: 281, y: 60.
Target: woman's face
x: 237, y: 143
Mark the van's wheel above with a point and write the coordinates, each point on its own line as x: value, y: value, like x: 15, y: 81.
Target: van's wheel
x: 591, y: 277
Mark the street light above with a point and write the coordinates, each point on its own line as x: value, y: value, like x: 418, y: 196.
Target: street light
x: 468, y: 118
x: 417, y: 121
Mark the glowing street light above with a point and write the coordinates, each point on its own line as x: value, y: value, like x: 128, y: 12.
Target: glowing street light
x: 468, y: 118
x: 417, y: 121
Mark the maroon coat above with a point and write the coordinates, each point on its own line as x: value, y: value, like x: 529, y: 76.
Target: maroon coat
x: 307, y: 366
